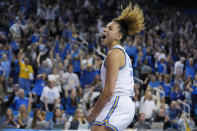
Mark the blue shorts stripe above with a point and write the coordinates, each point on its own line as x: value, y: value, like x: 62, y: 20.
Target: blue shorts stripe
x: 106, y: 120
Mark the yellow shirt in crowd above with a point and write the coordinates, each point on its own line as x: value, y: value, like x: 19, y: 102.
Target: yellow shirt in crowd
x: 25, y: 70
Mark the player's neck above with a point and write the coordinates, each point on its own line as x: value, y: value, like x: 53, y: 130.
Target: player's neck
x: 114, y: 43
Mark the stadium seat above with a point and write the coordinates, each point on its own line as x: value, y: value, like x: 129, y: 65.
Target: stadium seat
x: 15, y: 113
x: 58, y: 126
x: 38, y: 106
x: 157, y: 125
x: 83, y: 127
x: 49, y: 115
x: 31, y: 114
x: 195, y: 109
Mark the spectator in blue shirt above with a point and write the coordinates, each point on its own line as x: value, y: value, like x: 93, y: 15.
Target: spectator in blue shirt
x: 20, y: 100
x: 71, y: 101
x: 75, y: 51
x: 61, y: 48
x: 149, y: 57
x: 166, y: 85
x: 173, y: 113
x: 162, y: 66
x: 44, y: 67
x: 176, y: 93
x: 131, y: 49
x: 189, y: 70
x: 195, y: 66
x: 6, y: 65
x: 76, y: 63
x: 153, y: 82
x: 14, y: 45
x: 192, y: 87
x: 35, y: 37
x: 8, y: 121
x: 40, y: 83
x: 87, y: 76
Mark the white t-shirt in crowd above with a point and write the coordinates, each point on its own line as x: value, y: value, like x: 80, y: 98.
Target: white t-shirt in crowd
x: 147, y: 107
x: 87, y: 62
x: 160, y: 56
x: 50, y: 13
x: 53, y: 77
x: 15, y: 30
x: 50, y: 63
x: 50, y: 94
x: 70, y: 80
x: 178, y: 67
x: 137, y: 104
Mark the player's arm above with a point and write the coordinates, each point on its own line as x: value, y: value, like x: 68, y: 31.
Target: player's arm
x: 113, y: 63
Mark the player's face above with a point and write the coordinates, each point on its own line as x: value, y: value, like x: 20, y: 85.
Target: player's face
x: 111, y: 33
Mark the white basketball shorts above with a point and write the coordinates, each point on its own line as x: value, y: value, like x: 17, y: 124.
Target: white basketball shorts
x: 117, y: 114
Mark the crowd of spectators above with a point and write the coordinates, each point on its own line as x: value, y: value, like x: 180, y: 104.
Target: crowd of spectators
x: 49, y: 68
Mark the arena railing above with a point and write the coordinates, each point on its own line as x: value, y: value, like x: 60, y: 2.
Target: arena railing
x: 138, y: 80
x: 186, y: 107
x: 159, y: 91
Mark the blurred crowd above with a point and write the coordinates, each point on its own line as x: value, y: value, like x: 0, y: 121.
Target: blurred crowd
x: 50, y: 69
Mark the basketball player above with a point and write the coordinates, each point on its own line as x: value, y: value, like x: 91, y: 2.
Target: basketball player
x: 115, y: 109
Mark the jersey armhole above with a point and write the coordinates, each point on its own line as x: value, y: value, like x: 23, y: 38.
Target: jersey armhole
x: 122, y: 67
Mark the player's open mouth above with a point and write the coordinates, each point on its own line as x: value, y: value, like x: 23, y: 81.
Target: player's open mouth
x: 103, y: 36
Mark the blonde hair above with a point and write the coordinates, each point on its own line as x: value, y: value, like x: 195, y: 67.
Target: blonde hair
x: 131, y: 20
x: 76, y: 116
x: 22, y: 114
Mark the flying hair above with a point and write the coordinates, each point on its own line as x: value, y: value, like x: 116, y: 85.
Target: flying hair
x: 131, y: 20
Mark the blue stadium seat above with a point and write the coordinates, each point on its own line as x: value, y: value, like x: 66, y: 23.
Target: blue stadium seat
x: 31, y: 114
x: 38, y: 106
x: 195, y: 109
x: 49, y: 115
x: 15, y: 113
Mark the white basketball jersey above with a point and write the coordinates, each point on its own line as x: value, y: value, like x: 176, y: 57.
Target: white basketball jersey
x: 124, y: 83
